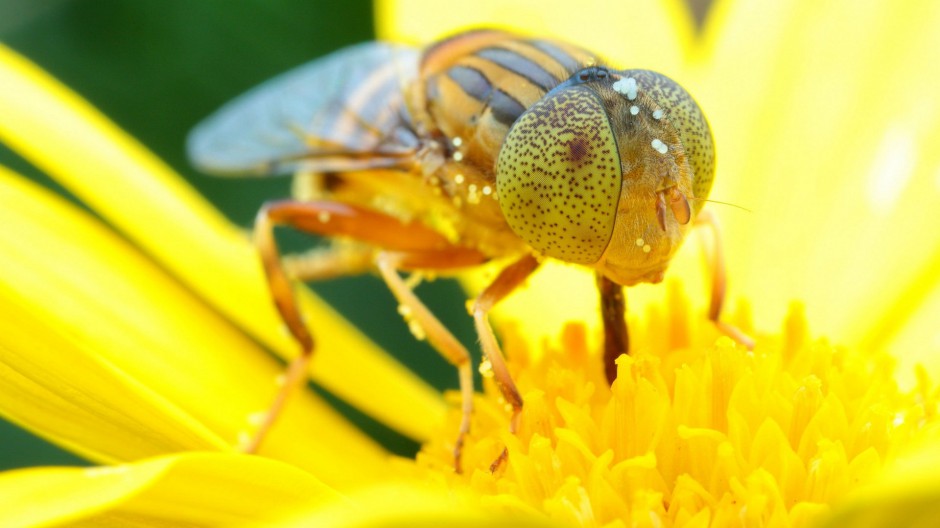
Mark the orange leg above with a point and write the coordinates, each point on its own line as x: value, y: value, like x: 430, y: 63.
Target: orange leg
x: 716, y: 259
x: 339, y: 259
x: 507, y: 281
x: 331, y: 219
x: 437, y: 334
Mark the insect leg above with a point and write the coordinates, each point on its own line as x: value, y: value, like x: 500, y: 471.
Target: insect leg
x: 325, y: 218
x: 283, y: 295
x: 616, y: 336
x: 439, y: 336
x: 507, y: 281
x: 715, y: 255
x: 339, y: 259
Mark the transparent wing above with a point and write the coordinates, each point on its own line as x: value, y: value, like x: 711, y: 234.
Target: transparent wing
x: 339, y: 112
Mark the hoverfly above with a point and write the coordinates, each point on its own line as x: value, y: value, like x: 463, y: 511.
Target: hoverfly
x: 484, y: 145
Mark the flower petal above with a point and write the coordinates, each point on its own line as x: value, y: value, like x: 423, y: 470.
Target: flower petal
x: 105, y: 354
x: 907, y: 494
x: 394, y: 506
x: 194, y: 489
x: 128, y: 186
x: 824, y: 116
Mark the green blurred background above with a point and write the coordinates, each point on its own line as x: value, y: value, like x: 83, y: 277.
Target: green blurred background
x: 156, y: 67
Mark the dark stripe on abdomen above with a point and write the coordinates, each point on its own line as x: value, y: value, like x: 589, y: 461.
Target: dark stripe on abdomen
x: 506, y: 109
x: 471, y: 81
x: 521, y: 66
x: 561, y: 56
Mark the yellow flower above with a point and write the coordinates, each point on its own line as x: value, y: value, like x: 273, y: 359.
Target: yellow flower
x: 139, y: 344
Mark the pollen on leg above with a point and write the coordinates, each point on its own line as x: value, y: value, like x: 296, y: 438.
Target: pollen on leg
x: 417, y: 330
x: 243, y: 440
x: 257, y: 418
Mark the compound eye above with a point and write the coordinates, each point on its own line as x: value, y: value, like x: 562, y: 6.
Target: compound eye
x: 558, y: 176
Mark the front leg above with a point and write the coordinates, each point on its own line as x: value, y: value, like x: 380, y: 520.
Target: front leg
x: 507, y: 281
x: 613, y: 315
x: 437, y: 334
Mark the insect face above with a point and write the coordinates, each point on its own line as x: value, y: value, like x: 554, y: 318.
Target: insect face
x: 607, y: 170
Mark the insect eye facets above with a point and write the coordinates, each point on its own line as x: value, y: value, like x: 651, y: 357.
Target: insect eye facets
x: 559, y: 176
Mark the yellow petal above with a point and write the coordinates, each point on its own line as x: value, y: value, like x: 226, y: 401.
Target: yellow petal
x: 825, y: 116
x: 654, y: 35
x: 123, y: 182
x: 408, y: 506
x: 105, y: 354
x: 195, y: 489
x: 908, y: 494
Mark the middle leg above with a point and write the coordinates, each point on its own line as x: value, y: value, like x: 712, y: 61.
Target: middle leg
x: 415, y: 312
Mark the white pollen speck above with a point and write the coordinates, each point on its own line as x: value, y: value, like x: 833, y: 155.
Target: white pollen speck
x: 417, y: 330
x: 257, y: 418
x: 647, y: 248
x: 487, y: 190
x: 458, y: 156
x: 657, y: 114
x: 640, y: 242
x: 458, y: 179
x: 634, y: 110
x: 626, y: 87
x: 457, y: 141
x: 486, y: 369
x: 898, y: 420
x: 659, y: 146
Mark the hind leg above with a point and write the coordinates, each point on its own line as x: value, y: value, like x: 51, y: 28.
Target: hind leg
x: 330, y: 219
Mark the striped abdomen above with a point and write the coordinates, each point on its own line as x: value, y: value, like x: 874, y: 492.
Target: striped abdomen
x: 474, y: 86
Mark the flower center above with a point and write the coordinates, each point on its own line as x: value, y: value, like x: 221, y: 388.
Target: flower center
x: 695, y: 428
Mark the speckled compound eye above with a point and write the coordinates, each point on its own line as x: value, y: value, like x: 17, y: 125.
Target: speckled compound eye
x: 558, y: 176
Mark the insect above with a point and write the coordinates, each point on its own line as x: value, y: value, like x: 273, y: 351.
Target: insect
x: 485, y: 145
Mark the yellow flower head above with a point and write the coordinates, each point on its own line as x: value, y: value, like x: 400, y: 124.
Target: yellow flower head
x: 139, y: 341
x: 695, y: 430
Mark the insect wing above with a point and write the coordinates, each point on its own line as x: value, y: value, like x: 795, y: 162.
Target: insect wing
x: 343, y: 111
